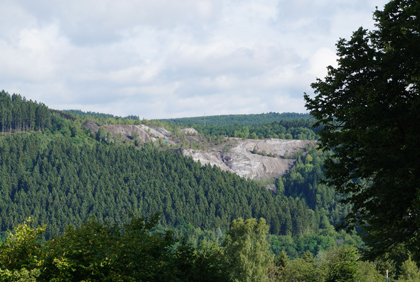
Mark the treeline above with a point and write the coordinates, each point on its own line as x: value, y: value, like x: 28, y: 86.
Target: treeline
x: 96, y: 114
x: 285, y: 129
x: 249, y: 120
x: 271, y: 125
x: 18, y: 114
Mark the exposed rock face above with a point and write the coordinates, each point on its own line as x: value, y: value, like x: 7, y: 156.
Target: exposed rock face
x: 242, y: 161
x: 144, y: 132
x: 91, y: 125
x: 271, y: 187
x: 237, y: 159
x: 188, y: 130
x: 158, y: 131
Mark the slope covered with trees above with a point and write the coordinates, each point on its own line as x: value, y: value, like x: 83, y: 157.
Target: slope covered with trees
x: 64, y: 184
x: 19, y: 114
x: 62, y: 176
x: 251, y: 119
x: 284, y: 129
x: 96, y: 114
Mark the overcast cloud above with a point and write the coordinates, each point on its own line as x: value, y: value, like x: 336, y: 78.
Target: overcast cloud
x: 173, y: 58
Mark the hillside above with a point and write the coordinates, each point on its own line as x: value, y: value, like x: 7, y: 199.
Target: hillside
x: 73, y: 167
x: 271, y: 159
x: 250, y: 119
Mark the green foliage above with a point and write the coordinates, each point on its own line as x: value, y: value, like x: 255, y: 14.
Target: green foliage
x: 245, y: 250
x: 61, y: 184
x: 369, y: 272
x: 345, y: 267
x: 22, y: 275
x: 96, y: 114
x: 64, y: 176
x: 252, y: 119
x: 409, y: 271
x: 19, y: 115
x: 314, y: 242
x: 302, y: 269
x: 369, y: 106
x: 283, y: 129
x: 20, y: 252
x: 100, y: 135
x: 104, y: 252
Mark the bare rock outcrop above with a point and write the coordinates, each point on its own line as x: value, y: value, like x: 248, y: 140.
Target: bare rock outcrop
x: 144, y: 132
x: 233, y: 154
x: 93, y: 126
x: 188, y: 130
x: 240, y: 159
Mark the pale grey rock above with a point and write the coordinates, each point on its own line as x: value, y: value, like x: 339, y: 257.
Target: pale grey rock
x: 271, y: 187
x: 237, y: 159
x: 145, y: 133
x: 211, y: 158
x: 93, y: 126
x: 240, y: 160
x: 188, y: 130
x: 159, y: 131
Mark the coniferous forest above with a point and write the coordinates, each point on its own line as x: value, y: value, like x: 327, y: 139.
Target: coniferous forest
x: 85, y: 195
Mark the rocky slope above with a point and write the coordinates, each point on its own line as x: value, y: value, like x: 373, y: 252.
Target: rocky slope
x: 144, y: 132
x: 240, y: 159
x: 234, y: 155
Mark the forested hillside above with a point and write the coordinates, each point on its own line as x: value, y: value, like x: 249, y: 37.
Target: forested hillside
x: 19, y: 114
x: 96, y: 114
x: 59, y: 173
x: 251, y: 119
x: 62, y: 176
x: 284, y: 129
x: 63, y: 184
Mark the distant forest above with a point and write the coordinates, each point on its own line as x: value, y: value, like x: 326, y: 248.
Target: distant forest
x: 224, y: 120
x: 18, y: 114
x: 284, y: 129
x: 96, y: 114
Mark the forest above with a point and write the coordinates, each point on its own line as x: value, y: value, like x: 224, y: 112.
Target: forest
x: 248, y: 120
x: 301, y: 129
x: 70, y: 184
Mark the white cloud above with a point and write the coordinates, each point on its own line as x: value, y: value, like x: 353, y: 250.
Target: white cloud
x: 168, y: 58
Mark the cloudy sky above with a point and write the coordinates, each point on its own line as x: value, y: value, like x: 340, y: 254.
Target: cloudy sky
x: 173, y: 58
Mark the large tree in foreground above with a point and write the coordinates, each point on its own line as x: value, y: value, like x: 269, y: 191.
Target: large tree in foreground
x: 369, y: 106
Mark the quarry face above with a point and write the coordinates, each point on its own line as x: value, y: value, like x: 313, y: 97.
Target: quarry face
x: 234, y: 155
x: 240, y: 159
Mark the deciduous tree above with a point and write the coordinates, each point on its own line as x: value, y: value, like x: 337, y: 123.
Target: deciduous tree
x: 246, y: 250
x: 370, y: 107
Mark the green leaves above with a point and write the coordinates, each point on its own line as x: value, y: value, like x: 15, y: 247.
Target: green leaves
x: 104, y: 252
x: 245, y: 250
x: 345, y: 267
x: 366, y: 106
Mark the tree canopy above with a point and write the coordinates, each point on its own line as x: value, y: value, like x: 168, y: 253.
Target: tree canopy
x: 369, y: 106
x: 251, y: 119
x: 105, y: 252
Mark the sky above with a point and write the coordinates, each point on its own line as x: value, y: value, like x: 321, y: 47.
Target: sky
x: 173, y: 58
